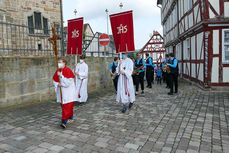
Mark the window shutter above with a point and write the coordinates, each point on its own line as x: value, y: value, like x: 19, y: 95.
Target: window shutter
x: 30, y: 25
x: 45, y: 25
x: 38, y: 24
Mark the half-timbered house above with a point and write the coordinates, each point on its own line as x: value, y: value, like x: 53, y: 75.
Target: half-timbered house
x: 197, y: 32
x: 154, y: 47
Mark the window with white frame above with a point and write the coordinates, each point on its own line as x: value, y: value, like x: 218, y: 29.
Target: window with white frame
x: 225, y: 47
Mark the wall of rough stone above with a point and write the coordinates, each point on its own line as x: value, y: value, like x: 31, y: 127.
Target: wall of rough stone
x: 17, y: 11
x: 29, y: 79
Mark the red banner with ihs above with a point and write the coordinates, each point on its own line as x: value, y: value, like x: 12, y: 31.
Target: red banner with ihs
x: 75, y: 36
x: 123, y: 31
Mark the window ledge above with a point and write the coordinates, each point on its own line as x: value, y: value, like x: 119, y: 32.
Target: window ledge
x: 39, y: 35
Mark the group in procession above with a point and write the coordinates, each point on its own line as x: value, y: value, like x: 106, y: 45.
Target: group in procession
x: 127, y: 73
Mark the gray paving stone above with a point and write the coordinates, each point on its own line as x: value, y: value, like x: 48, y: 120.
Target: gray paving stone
x: 56, y: 148
x: 192, y: 121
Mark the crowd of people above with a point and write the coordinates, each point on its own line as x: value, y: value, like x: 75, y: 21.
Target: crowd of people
x: 129, y: 73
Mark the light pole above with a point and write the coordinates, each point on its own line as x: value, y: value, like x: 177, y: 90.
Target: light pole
x: 62, y: 28
x: 107, y: 21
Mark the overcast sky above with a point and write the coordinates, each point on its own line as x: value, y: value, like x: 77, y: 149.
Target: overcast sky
x: 146, y: 15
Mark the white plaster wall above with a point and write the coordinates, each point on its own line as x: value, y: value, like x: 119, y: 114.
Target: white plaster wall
x: 190, y: 20
x: 226, y: 74
x: 180, y: 68
x: 186, y: 23
x: 215, y: 41
x: 226, y: 9
x: 201, y: 72
x: 194, y: 70
x: 199, y: 45
x: 193, y: 44
x: 215, y: 70
x: 188, y: 69
x: 215, y: 5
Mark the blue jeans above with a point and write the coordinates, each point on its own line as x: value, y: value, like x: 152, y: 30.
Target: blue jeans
x: 65, y: 121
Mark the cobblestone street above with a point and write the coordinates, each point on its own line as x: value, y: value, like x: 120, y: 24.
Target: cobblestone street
x: 191, y: 121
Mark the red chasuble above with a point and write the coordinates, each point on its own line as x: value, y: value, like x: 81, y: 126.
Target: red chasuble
x: 66, y: 72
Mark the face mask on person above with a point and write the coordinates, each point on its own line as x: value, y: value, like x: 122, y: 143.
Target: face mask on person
x: 61, y: 65
x: 123, y: 56
x: 81, y: 61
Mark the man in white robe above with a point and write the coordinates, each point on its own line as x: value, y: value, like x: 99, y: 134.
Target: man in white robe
x: 81, y: 71
x: 125, y: 91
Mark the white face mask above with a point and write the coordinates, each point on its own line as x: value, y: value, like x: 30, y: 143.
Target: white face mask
x: 61, y: 65
x: 81, y: 61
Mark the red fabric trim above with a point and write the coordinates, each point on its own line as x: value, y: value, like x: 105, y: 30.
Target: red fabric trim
x: 67, y: 110
x: 66, y: 72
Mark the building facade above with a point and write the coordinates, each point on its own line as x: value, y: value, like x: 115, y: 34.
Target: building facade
x: 197, y: 32
x: 25, y: 26
x: 37, y: 13
x: 154, y: 47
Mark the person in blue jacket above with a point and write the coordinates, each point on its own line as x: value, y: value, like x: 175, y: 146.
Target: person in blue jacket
x: 159, y: 74
x: 149, y: 67
x: 113, y: 72
x: 139, y: 62
x: 173, y: 73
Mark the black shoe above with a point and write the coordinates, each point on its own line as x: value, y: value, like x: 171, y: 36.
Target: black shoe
x: 170, y: 93
x: 167, y: 86
x: 130, y: 105
x: 63, y: 125
x: 150, y: 87
x: 124, y: 110
x: 176, y: 92
x: 142, y: 92
x: 147, y: 86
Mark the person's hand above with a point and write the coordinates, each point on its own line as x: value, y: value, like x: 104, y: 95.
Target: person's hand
x: 77, y: 73
x: 59, y: 73
x: 59, y: 84
x: 122, y: 72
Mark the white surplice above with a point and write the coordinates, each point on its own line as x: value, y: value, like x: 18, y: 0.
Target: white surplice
x: 125, y: 90
x: 68, y: 89
x: 81, y: 82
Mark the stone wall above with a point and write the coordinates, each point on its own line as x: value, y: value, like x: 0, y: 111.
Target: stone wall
x: 29, y: 79
x: 17, y: 11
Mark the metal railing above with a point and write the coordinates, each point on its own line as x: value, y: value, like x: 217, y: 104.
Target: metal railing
x: 21, y: 40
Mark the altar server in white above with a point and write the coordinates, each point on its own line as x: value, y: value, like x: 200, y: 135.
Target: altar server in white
x: 65, y: 78
x: 125, y: 91
x: 81, y: 71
